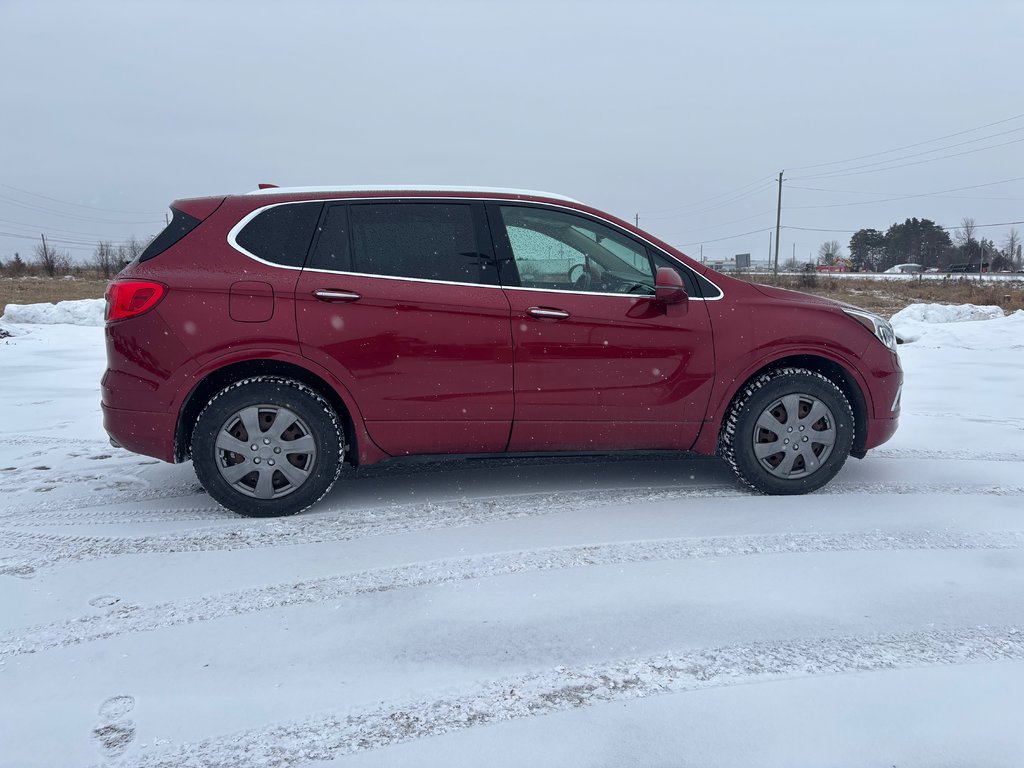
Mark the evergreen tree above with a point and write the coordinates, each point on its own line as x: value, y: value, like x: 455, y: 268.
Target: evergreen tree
x: 916, y: 241
x: 867, y: 250
x: 17, y: 267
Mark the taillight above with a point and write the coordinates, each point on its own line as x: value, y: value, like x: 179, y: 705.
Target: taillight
x: 131, y: 298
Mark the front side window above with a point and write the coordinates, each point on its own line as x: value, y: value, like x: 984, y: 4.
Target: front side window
x: 561, y: 251
x: 427, y: 241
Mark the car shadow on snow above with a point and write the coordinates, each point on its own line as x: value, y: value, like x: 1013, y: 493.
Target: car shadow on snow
x: 402, y: 481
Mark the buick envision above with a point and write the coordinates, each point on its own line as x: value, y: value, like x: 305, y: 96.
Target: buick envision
x: 279, y: 336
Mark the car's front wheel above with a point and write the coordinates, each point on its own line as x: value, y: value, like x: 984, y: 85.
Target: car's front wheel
x: 789, y: 431
x: 267, y: 446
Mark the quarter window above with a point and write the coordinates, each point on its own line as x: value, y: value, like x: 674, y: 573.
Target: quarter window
x: 281, y: 234
x: 560, y: 251
x: 429, y: 241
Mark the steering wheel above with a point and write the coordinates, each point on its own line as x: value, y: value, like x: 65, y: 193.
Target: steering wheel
x: 639, y: 288
x: 583, y: 280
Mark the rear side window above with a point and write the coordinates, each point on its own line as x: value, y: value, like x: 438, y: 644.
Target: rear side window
x: 181, y: 224
x: 332, y: 251
x: 429, y: 241
x: 281, y: 234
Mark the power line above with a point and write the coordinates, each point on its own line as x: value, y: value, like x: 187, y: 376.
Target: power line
x: 74, y: 216
x: 34, y: 229
x: 727, y: 223
x: 729, y: 237
x: 852, y: 231
x: 64, y: 241
x: 854, y: 172
x: 717, y: 206
x: 815, y: 229
x: 80, y: 205
x: 985, y: 226
x: 937, y: 193
x: 921, y: 194
x: 908, y: 146
x: 929, y: 151
x: 696, y: 203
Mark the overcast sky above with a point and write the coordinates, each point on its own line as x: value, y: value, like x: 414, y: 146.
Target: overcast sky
x: 681, y: 112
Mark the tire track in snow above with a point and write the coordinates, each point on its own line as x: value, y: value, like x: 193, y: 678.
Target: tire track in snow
x: 127, y: 619
x: 21, y: 438
x: 347, y: 525
x: 102, y: 516
x: 169, y: 492
x: 946, y: 454
x: 839, y: 488
x: 50, y: 549
x: 330, y: 735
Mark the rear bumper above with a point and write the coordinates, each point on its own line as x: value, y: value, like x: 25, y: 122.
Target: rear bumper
x: 147, y: 432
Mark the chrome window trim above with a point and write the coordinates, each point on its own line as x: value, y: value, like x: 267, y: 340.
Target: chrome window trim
x: 233, y: 233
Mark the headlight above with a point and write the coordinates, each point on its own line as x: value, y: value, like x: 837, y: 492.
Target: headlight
x: 878, y: 326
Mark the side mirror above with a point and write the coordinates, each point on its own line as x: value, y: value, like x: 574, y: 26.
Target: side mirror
x: 668, y: 286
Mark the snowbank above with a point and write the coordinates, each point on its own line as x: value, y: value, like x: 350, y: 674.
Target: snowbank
x: 946, y: 313
x: 943, y: 325
x: 81, y: 312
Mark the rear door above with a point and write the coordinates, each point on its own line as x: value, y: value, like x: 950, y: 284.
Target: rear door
x: 401, y: 301
x: 599, y: 363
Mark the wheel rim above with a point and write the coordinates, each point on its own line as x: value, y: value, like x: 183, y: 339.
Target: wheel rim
x: 265, y: 451
x: 794, y: 436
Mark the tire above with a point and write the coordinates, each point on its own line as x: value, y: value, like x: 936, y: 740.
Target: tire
x: 788, y: 431
x: 285, y: 434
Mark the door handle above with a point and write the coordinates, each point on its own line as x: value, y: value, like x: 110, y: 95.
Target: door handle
x: 325, y: 295
x: 548, y: 313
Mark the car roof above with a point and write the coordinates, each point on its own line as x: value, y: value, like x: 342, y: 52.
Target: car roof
x: 348, y: 189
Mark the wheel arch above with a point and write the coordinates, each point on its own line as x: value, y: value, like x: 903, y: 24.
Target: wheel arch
x: 837, y: 373
x: 215, y: 380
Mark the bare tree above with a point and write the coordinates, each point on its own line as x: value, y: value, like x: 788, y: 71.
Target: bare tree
x: 829, y: 252
x: 51, y: 261
x: 105, y: 260
x: 1012, y: 249
x: 964, y: 236
x: 130, y: 250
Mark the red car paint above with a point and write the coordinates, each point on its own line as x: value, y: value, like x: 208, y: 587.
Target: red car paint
x: 432, y: 367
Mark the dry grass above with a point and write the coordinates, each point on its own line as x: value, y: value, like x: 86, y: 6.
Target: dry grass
x: 36, y: 290
x: 887, y: 297
x: 882, y: 296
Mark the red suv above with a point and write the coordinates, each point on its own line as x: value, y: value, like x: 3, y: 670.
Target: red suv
x: 277, y: 336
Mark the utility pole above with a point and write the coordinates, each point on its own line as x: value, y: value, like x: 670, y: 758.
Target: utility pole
x: 778, y: 224
x: 46, y: 253
x: 636, y: 219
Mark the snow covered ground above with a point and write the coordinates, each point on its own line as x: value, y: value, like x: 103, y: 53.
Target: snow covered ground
x: 630, y: 612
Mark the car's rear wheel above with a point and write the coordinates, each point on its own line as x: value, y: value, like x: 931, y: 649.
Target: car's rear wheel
x: 789, y: 431
x: 267, y: 446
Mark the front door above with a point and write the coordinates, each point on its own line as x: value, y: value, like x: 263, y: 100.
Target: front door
x: 401, y: 301
x: 599, y: 363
